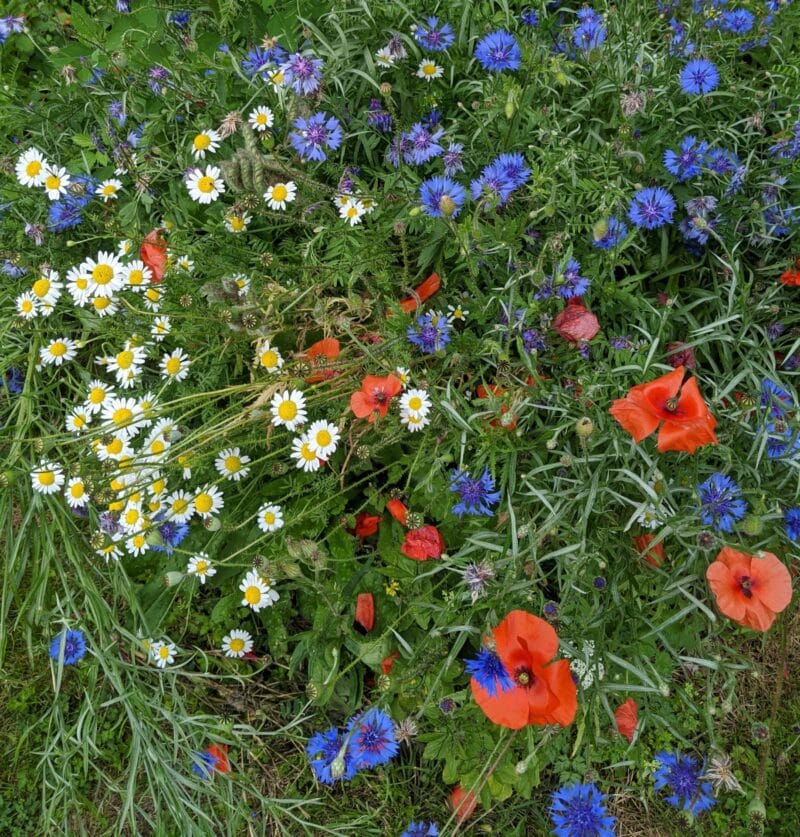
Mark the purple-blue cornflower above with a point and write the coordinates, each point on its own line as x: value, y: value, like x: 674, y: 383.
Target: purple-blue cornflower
x: 651, y: 208
x: 74, y: 645
x: 609, y: 234
x: 791, y: 520
x: 683, y: 777
x: 488, y: 669
x: 782, y: 440
x: 14, y: 380
x: 476, y: 496
x: 168, y: 535
x: 398, y: 149
x: 303, y: 73
x: 572, y: 283
x: 179, y: 19
x: 261, y: 60
x: 452, y: 159
x: 775, y: 397
x: 116, y: 110
x: 738, y: 21
x: 498, y: 51
x: 372, y: 739
x: 312, y: 138
x: 377, y: 117
x: 699, y: 76
x: 590, y: 33
x: 330, y: 757
x: 420, y: 829
x: 423, y: 144
x: 721, y: 503
x: 533, y: 341
x: 431, y: 333
x: 203, y: 764
x: 688, y: 162
x: 529, y: 17
x: 441, y: 196
x: 580, y: 811
x: 513, y: 167
x: 719, y: 161
x: 434, y: 36
x: 13, y: 271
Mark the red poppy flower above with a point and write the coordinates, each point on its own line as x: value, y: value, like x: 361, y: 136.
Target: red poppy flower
x: 653, y: 555
x: 219, y: 753
x: 398, y: 511
x: 365, y: 611
x: 153, y: 253
x: 627, y: 717
x: 542, y: 692
x: 387, y: 663
x: 576, y: 323
x: 423, y: 291
x: 463, y: 803
x: 750, y: 589
x: 483, y: 392
x: 792, y: 277
x: 374, y: 396
x: 366, y: 524
x: 323, y: 350
x: 423, y: 543
x: 687, y: 421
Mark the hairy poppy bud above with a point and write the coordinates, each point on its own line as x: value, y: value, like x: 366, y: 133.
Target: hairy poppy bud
x: 584, y: 427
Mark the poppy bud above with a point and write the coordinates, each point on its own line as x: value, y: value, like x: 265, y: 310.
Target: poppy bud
x: 752, y: 525
x: 171, y: 579
x: 386, y: 88
x: 584, y: 427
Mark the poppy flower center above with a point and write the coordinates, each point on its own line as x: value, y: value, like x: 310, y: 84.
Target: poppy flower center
x: 379, y: 396
x: 746, y: 586
x: 671, y: 404
x: 524, y: 677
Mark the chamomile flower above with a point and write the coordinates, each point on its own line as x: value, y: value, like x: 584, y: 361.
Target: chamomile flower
x: 231, y: 463
x: 288, y: 409
x: 257, y: 592
x: 414, y: 421
x: 163, y: 653
x: 269, y: 517
x: 456, y: 312
x: 122, y: 415
x: 268, y: 357
x: 47, y: 289
x: 161, y: 328
x: 152, y: 298
x: 58, y: 351
x: 76, y: 493
x: 111, y: 552
x: 180, y: 506
x: 99, y: 395
x: 78, y: 420
x: 205, y: 141
x: 31, y: 168
x: 323, y: 437
x: 200, y: 566
x: 279, y: 194
x: 125, y: 248
x: 429, y: 70
x: 27, y: 305
x: 261, y: 118
x: 304, y: 454
x: 137, y: 545
x: 242, y: 283
x: 276, y: 78
x: 384, y: 57
x: 106, y: 273
x: 108, y: 189
x: 127, y: 364
x: 403, y: 374
x: 175, y: 366
x: 237, y: 222
x: 132, y: 518
x: 104, y: 306
x: 352, y: 212
x: 79, y: 286
x: 136, y: 275
x: 114, y: 448
x: 208, y: 501
x: 416, y: 402
x: 56, y: 182
x: 47, y: 478
x: 237, y: 643
x: 205, y: 186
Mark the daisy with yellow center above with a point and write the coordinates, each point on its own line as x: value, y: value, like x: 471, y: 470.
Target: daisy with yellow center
x: 27, y: 305
x: 180, y: 506
x: 261, y: 118
x: 79, y: 286
x: 47, y: 478
x: 161, y: 328
x: 132, y: 518
x: 127, y: 364
x: 352, y: 212
x: 429, y: 70
x: 237, y: 643
x: 108, y: 189
x: 256, y: 592
x: 231, y: 463
x: 235, y: 223
x: 99, y: 394
x: 47, y: 289
x: 106, y: 273
x: 404, y: 375
x: 268, y: 357
x: 279, y: 194
x: 200, y: 566
x: 114, y: 448
x: 304, y: 453
x: 414, y: 421
x: 163, y: 653
x: 136, y: 275
x: 137, y: 545
x: 276, y: 79
x: 78, y: 420
x: 205, y: 186
x: 415, y: 401
x: 105, y: 306
x: 125, y: 247
x: 288, y: 409
x: 122, y: 416
x: 175, y: 366
x: 110, y: 552
x: 185, y: 263
x: 323, y: 438
x: 56, y: 182
x: 31, y: 167
x: 58, y: 351
x: 205, y: 142
x: 152, y: 298
x: 269, y: 517
x: 208, y: 501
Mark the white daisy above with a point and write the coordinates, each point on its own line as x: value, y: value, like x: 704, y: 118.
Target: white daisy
x: 416, y: 402
x: 288, y: 409
x: 99, y: 394
x: 185, y: 264
x: 180, y: 507
x: 261, y: 118
x: 27, y: 305
x: 125, y: 247
x: 205, y: 141
x: 132, y: 518
x: 205, y: 187
x: 115, y: 449
x: 208, y: 501
x: 47, y: 289
x: 76, y: 493
x: 242, y: 283
x: 257, y: 592
x: 304, y: 454
x: 161, y: 328
x: 108, y: 189
x: 279, y: 194
x: 323, y: 438
x: 79, y: 286
x: 127, y: 364
x: 136, y: 275
x: 163, y: 653
x: 414, y: 421
x: 106, y: 272
x: 270, y: 517
x: 122, y: 415
x: 200, y: 566
x: 78, y: 420
x: 58, y: 351
x: 352, y: 211
x: 404, y: 375
x: 105, y: 306
x: 231, y: 463
x: 109, y: 551
x: 456, y: 312
x: 429, y: 70
x: 276, y: 78
x: 137, y: 545
x: 31, y: 168
x: 55, y: 182
x: 268, y: 357
x: 47, y: 478
x: 384, y: 57
x: 237, y: 643
x: 152, y: 298
x: 236, y: 223
x: 175, y: 366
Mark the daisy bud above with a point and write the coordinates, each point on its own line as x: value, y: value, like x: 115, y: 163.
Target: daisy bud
x: 584, y: 427
x: 312, y: 693
x: 171, y: 579
x: 551, y: 444
x: 510, y: 107
x: 38, y: 445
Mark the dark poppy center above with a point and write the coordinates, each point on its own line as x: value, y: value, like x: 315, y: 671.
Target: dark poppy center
x: 524, y: 677
x: 671, y: 404
x: 379, y: 396
x: 746, y: 585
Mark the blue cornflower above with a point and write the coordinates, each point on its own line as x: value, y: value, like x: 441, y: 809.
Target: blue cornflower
x: 683, y: 776
x: 116, y: 110
x: 580, y: 811
x: 303, y: 73
x: 14, y: 380
x: 513, y: 168
x: 203, y: 764
x: 721, y: 503
x: 433, y: 36
x: 398, y: 149
x: 158, y: 77
x: 529, y: 17
x: 74, y: 643
x: 573, y: 284
x: 609, y: 234
x: 179, y: 19
x: 488, y: 669
x: 775, y: 397
x: 688, y: 161
x: 372, y: 738
x: 791, y: 520
x: 420, y: 829
x: 13, y: 271
x: 168, y: 535
x: 452, y: 159
x: 67, y: 211
x: 423, y: 144
x: 590, y: 34
x: 651, y: 207
x: 442, y: 196
x: 312, y: 137
x: 476, y: 495
x: 699, y: 76
x: 498, y: 51
x: 330, y: 758
x: 263, y: 61
x: 719, y: 161
x: 431, y: 333
x: 738, y: 21
x: 432, y: 118
x: 533, y: 341
x: 377, y: 117
x: 782, y: 440
x: 123, y: 6
x: 621, y: 343
x: 492, y: 185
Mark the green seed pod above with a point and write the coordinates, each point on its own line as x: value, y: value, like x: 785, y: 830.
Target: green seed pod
x: 171, y: 579
x: 752, y: 525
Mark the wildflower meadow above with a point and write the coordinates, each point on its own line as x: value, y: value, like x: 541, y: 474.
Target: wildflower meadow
x: 399, y: 421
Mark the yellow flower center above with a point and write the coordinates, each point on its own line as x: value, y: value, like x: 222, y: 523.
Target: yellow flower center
x: 53, y: 182
x: 109, y: 189
x: 206, y: 184
x: 236, y: 645
x: 232, y: 463
x: 252, y: 595
x: 97, y: 395
x: 261, y: 119
x: 323, y: 438
x: 204, y: 503
x: 77, y: 490
x: 135, y: 277
x: 429, y: 69
x: 163, y: 652
x: 279, y: 192
x: 81, y: 283
x: 100, y: 303
x: 287, y: 410
x: 237, y: 223
x: 173, y: 366
x: 41, y: 287
x: 158, y: 486
x: 138, y: 541
x: 269, y: 359
x: 102, y: 274
x: 307, y: 453
x: 202, y: 141
x: 33, y: 168
x: 79, y: 421
x: 58, y: 349
x: 27, y: 306
x: 269, y: 518
x: 131, y: 516
x: 352, y: 212
x: 200, y: 567
x: 124, y: 361
x: 47, y: 477
x: 115, y: 447
x: 180, y: 505
x: 122, y: 415
x: 158, y: 446
x: 152, y: 295
x: 415, y: 403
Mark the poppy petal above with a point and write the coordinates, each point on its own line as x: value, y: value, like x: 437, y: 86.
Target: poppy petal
x: 635, y: 415
x: 772, y: 581
x: 508, y: 709
x: 687, y: 436
x: 541, y: 640
x: 359, y: 405
x: 726, y: 589
x: 627, y: 717
x: 559, y: 680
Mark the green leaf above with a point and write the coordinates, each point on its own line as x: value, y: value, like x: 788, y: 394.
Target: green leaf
x: 87, y: 30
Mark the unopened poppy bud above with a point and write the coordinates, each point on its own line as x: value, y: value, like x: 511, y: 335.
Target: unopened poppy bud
x: 752, y: 525
x: 386, y: 89
x: 510, y: 108
x: 172, y: 578
x: 584, y: 427
x: 447, y: 205
x: 212, y: 524
x: 414, y: 211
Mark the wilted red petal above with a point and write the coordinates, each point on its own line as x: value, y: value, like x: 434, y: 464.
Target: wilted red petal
x: 367, y: 524
x: 653, y: 555
x: 153, y: 253
x: 327, y: 347
x: 398, y: 511
x: 387, y: 663
x: 425, y: 290
x: 365, y: 610
x: 423, y: 543
x: 791, y: 277
x: 627, y: 716
x: 463, y: 803
x: 219, y: 752
x: 576, y: 323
